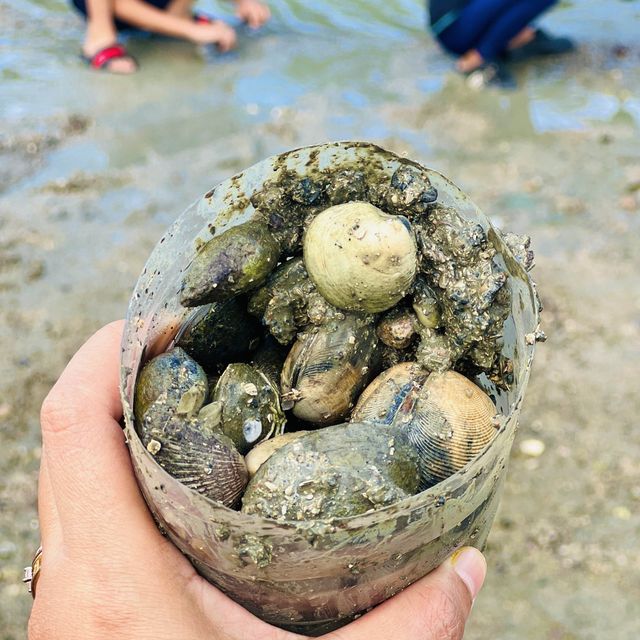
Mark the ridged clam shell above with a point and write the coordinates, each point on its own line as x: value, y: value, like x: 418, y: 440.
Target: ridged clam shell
x: 326, y: 370
x: 194, y: 453
x: 390, y: 398
x: 360, y: 258
x: 451, y: 423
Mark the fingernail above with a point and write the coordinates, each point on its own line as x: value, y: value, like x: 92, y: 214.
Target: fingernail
x: 471, y: 566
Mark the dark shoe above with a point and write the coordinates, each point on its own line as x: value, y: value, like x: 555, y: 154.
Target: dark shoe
x: 543, y: 44
x: 491, y: 74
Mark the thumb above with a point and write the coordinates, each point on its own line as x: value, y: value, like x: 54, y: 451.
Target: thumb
x: 434, y: 608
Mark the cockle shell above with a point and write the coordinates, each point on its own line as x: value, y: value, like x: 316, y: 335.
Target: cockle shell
x: 250, y: 406
x: 446, y: 417
x: 335, y: 472
x: 392, y: 395
x: 360, y: 258
x: 194, y: 452
x: 233, y: 262
x: 265, y: 449
x: 176, y: 374
x: 453, y: 420
x: 326, y: 369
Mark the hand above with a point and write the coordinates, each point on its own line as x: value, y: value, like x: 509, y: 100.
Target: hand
x: 216, y: 32
x: 254, y: 13
x: 107, y: 572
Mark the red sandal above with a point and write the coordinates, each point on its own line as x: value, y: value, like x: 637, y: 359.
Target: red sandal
x: 203, y: 18
x: 101, y: 59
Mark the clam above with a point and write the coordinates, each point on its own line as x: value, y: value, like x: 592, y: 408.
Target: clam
x: 175, y: 374
x: 220, y: 333
x: 233, y: 262
x: 335, y: 472
x: 453, y: 421
x: 360, y: 258
x: 250, y: 406
x: 265, y: 449
x: 194, y: 452
x: 446, y: 417
x: 392, y: 395
x: 327, y: 368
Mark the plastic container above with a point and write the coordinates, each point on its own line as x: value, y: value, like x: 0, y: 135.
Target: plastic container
x: 312, y: 577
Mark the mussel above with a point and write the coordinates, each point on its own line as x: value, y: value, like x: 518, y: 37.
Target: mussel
x: 334, y: 472
x: 220, y: 333
x: 289, y: 301
x: 233, y: 262
x: 328, y: 367
x: 360, y: 258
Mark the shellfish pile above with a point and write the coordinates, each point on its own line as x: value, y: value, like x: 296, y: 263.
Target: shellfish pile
x: 326, y: 368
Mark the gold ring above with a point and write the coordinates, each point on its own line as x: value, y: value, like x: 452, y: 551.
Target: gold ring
x: 32, y: 573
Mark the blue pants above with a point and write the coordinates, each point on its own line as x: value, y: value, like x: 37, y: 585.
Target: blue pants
x: 488, y: 25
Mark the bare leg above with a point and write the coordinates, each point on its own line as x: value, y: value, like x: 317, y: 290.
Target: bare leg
x: 522, y: 38
x: 469, y: 61
x: 180, y: 7
x: 145, y: 16
x: 101, y: 32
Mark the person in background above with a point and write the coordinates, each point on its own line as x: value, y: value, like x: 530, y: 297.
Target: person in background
x: 174, y: 18
x: 104, y: 570
x: 486, y: 33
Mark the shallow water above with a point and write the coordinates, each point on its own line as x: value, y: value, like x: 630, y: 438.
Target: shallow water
x: 93, y: 168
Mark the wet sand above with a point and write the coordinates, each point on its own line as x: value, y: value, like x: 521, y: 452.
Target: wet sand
x: 89, y: 181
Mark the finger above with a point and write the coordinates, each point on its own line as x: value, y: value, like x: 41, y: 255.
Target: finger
x: 88, y: 464
x: 434, y: 608
x: 231, y: 40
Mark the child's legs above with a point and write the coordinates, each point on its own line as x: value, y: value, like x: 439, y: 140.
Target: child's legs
x: 495, y: 39
x: 102, y: 13
x: 480, y: 17
x: 473, y: 21
x: 147, y: 15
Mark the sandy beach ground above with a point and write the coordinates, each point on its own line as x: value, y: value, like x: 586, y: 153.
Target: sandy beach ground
x: 93, y: 168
